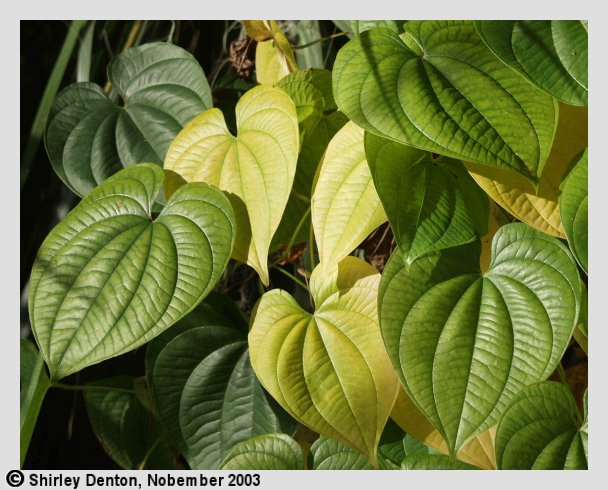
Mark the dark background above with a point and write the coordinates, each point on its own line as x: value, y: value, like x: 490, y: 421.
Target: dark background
x: 63, y: 438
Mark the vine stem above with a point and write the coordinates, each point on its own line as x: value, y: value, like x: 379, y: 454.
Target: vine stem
x: 128, y: 43
x: 149, y: 452
x: 292, y: 277
x: 63, y: 386
x: 321, y: 40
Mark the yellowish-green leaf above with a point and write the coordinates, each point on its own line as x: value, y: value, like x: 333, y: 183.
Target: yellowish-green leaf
x: 345, y: 205
x: 478, y: 452
x: 256, y: 168
x: 328, y: 369
x: 514, y: 192
x: 274, y: 57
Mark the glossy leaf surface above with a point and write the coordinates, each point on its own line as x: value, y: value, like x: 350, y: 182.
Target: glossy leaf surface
x: 437, y: 87
x: 109, y: 278
x: 256, y: 168
x: 464, y: 344
x: 205, y: 391
x: 345, y: 205
x: 540, y: 431
x: 552, y: 54
x: 89, y: 137
x: 573, y: 201
x: 268, y: 452
x: 431, y: 204
x: 328, y: 369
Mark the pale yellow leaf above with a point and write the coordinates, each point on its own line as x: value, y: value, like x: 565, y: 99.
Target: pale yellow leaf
x: 345, y: 205
x: 256, y: 168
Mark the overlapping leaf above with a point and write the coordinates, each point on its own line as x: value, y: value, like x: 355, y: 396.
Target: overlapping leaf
x: 34, y: 384
x: 267, y: 452
x: 256, y: 168
x: 109, y: 278
x: 328, y: 369
x: 345, y: 205
x: 552, y: 54
x: 318, y: 121
x: 431, y: 204
x: 434, y: 462
x: 538, y: 208
x: 478, y: 452
x: 573, y: 202
x: 437, y: 87
x: 274, y: 57
x: 202, y: 384
x: 89, y: 137
x: 332, y: 455
x: 464, y: 344
x: 540, y: 431
x: 126, y: 430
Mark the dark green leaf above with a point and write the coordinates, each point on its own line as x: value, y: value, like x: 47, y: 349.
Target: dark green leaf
x: 125, y: 428
x: 431, y: 204
x: 552, y: 54
x: 437, y: 87
x: 539, y: 431
x: 89, y: 137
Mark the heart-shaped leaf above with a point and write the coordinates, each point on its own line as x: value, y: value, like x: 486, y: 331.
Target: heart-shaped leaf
x: 345, y: 205
x: 540, y: 431
x: 109, y: 278
x: 89, y: 137
x: 318, y: 121
x: 464, y: 344
x: 203, y: 387
x: 431, y: 204
x: 328, y: 369
x: 256, y: 168
x: 34, y: 383
x: 552, y: 54
x: 437, y: 87
x: 126, y: 430
x: 332, y: 455
x: 268, y: 452
x: 478, y: 452
x: 538, y: 208
x: 573, y: 203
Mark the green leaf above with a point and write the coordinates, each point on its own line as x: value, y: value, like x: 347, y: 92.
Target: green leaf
x: 539, y: 431
x: 125, y: 428
x: 50, y: 91
x: 256, y: 169
x: 552, y: 54
x: 437, y: 87
x: 345, y: 205
x: 573, y: 203
x: 431, y: 204
x: 396, y: 445
x: 328, y: 369
x: 318, y: 122
x: 434, y: 462
x: 109, y: 278
x: 359, y: 26
x: 464, y: 344
x: 202, y: 384
x: 267, y: 452
x: 333, y: 455
x: 89, y: 138
x: 34, y: 384
x: 538, y: 207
